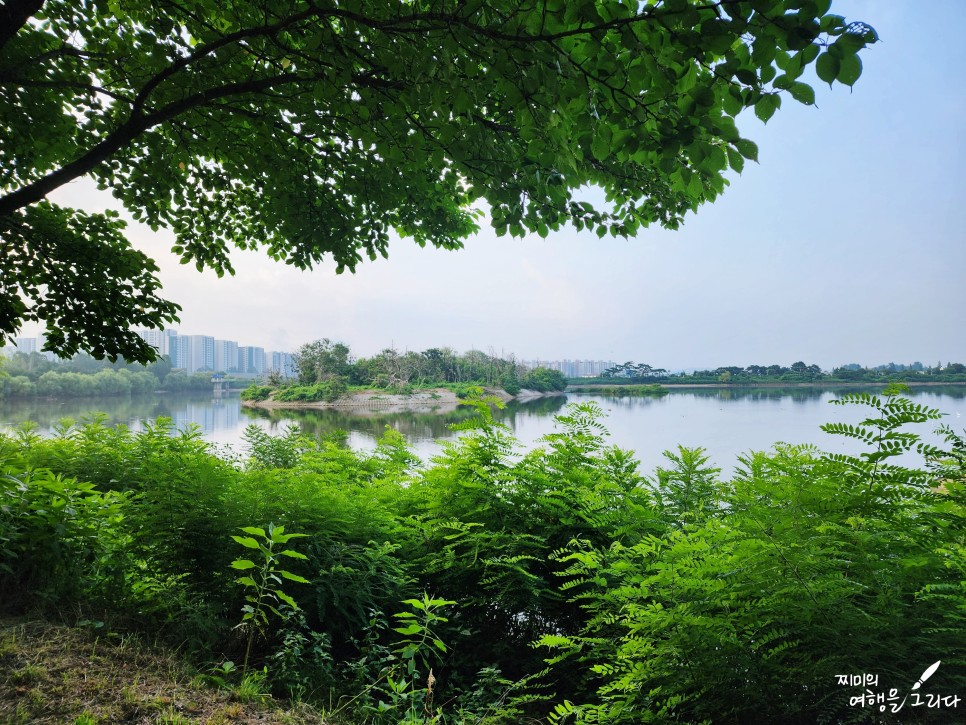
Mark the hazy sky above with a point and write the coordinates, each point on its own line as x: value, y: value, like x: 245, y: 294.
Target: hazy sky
x: 846, y: 244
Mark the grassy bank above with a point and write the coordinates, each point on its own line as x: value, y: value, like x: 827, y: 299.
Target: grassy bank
x: 90, y: 675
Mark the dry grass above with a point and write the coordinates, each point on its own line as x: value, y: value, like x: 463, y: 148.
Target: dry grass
x: 55, y: 674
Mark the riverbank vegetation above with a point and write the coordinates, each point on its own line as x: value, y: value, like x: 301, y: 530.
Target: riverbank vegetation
x: 492, y: 585
x: 326, y: 370
x: 623, y: 390
x: 26, y: 375
x: 631, y: 373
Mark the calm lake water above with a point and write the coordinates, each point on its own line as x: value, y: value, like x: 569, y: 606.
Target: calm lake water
x: 726, y: 423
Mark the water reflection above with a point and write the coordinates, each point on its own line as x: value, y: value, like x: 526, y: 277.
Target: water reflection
x: 725, y: 421
x: 207, y: 413
x: 416, y: 426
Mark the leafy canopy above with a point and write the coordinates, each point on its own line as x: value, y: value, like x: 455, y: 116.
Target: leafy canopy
x: 314, y: 128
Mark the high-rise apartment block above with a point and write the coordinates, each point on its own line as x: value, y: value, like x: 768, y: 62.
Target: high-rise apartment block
x: 226, y: 356
x: 573, y: 368
x: 284, y: 363
x: 179, y: 351
x: 26, y: 345
x: 191, y: 353
x: 202, y: 353
x: 251, y: 360
x: 158, y: 339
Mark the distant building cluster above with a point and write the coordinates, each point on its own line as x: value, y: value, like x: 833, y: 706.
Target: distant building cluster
x: 28, y: 345
x: 193, y: 353
x: 202, y: 353
x: 573, y: 368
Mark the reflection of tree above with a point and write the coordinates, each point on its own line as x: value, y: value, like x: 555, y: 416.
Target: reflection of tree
x: 536, y: 406
x: 752, y: 394
x: 413, y: 425
x: 320, y: 421
x: 223, y: 414
x: 46, y: 413
x: 793, y: 394
x: 124, y: 410
x: 797, y: 395
x: 628, y: 402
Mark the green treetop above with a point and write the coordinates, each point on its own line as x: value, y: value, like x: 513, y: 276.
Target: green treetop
x: 313, y: 128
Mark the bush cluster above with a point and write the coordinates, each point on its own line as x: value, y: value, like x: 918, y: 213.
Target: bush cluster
x: 327, y: 390
x: 256, y: 392
x: 67, y: 384
x: 492, y: 585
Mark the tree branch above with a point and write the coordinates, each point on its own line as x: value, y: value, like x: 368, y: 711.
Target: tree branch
x: 14, y: 14
x: 127, y: 132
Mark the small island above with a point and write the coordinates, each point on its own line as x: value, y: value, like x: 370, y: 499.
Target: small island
x: 435, y: 380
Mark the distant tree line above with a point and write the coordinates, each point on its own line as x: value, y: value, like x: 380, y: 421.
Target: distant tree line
x: 326, y: 369
x: 631, y: 373
x: 33, y: 374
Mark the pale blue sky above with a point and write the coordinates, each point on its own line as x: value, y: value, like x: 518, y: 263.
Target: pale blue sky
x: 846, y: 244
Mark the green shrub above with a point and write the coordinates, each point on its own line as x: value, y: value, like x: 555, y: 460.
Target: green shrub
x: 683, y: 596
x: 328, y: 390
x: 805, y: 566
x: 544, y: 380
x: 511, y: 385
x: 55, y: 535
x: 256, y: 392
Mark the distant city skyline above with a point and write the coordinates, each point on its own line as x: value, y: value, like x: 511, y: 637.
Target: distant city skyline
x: 195, y: 353
x: 191, y: 353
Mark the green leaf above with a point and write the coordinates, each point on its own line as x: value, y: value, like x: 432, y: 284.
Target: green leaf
x: 600, y: 148
x: 247, y: 581
x: 828, y: 67
x: 409, y: 629
x: 735, y: 160
x: 767, y: 105
x: 695, y: 187
x: 280, y: 538
x: 286, y: 598
x: 254, y: 531
x: 292, y: 554
x: 783, y: 82
x: 851, y: 69
x: 848, y: 44
x: 748, y: 149
x: 293, y: 577
x: 246, y: 541
x: 803, y: 93
x: 809, y: 54
x: 732, y: 104
x: 242, y: 564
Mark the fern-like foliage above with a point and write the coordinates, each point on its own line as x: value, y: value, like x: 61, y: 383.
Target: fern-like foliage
x: 883, y: 433
x: 807, y: 565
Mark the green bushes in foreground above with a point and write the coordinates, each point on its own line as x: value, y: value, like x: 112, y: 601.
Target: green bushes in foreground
x: 492, y: 586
